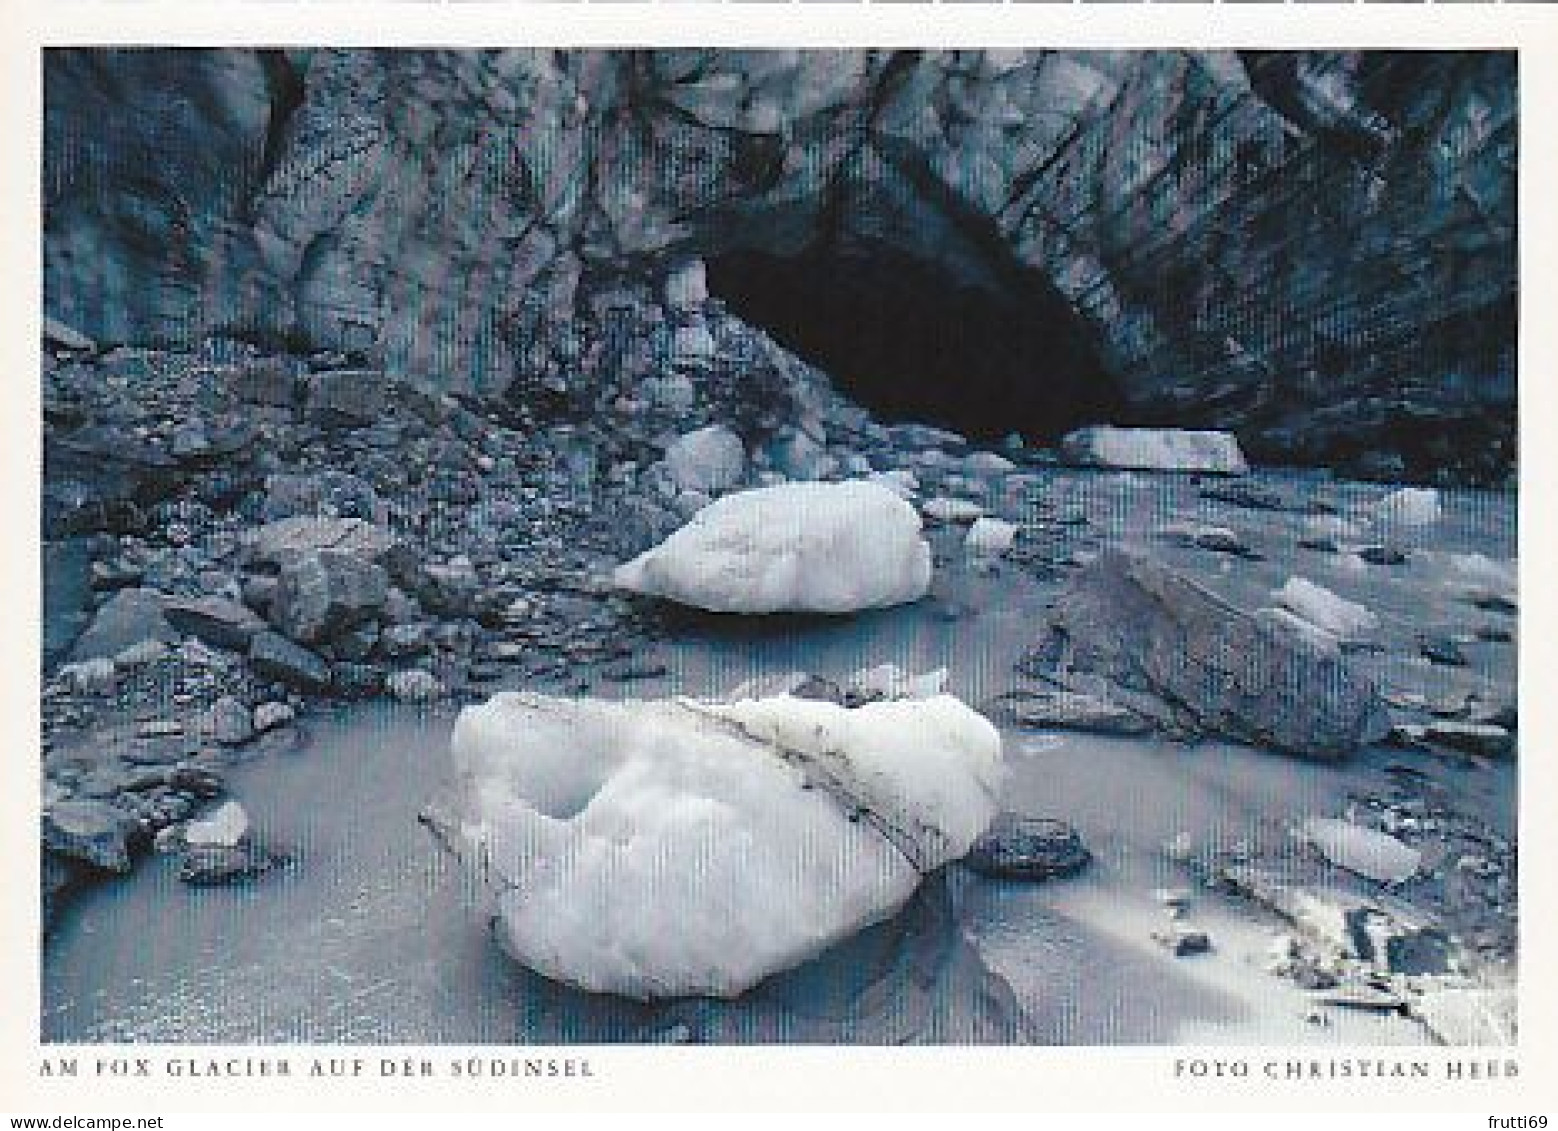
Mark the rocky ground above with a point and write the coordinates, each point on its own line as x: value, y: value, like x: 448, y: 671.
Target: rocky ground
x: 233, y: 538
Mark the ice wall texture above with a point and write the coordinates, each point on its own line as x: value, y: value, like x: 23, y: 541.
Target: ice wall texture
x: 1314, y: 249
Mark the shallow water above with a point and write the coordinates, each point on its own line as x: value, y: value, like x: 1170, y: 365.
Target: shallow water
x: 375, y: 936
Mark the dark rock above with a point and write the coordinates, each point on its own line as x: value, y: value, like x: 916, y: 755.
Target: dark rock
x: 217, y: 621
x: 1065, y: 710
x: 1028, y: 848
x: 1253, y: 496
x: 1319, y: 545
x: 1495, y: 603
x: 275, y: 657
x: 1207, y: 665
x: 357, y: 680
x: 1443, y: 651
x: 270, y: 381
x: 1383, y: 555
x: 129, y: 617
x: 1183, y: 941
x: 91, y: 831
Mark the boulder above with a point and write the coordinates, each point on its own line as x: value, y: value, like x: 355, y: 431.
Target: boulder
x: 91, y: 831
x: 1155, y: 449
x: 218, y: 621
x: 275, y: 657
x: 128, y: 618
x: 229, y: 722
x: 272, y: 544
x: 1028, y: 848
x: 795, y: 547
x: 325, y: 592
x: 673, y: 848
x: 1200, y: 663
x: 710, y: 459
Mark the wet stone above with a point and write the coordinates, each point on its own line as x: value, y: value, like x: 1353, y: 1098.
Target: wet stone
x: 1383, y: 555
x: 1028, y: 848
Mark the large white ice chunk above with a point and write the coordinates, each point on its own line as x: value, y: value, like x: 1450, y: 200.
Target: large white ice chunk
x: 1341, y: 618
x: 1155, y: 449
x: 675, y: 847
x: 795, y: 547
x: 1366, y: 851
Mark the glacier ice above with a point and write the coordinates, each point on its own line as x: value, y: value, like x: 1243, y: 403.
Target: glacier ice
x: 794, y: 547
x: 1341, y: 618
x: 1155, y: 449
x: 677, y: 847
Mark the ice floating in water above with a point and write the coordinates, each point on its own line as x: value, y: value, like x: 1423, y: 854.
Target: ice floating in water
x: 990, y: 536
x: 675, y: 847
x: 796, y: 547
x: 1341, y: 618
x: 1409, y: 506
x: 1377, y: 855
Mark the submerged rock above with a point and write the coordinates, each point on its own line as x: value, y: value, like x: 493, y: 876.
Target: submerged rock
x: 671, y: 848
x: 1155, y: 449
x: 796, y: 547
x: 1208, y: 666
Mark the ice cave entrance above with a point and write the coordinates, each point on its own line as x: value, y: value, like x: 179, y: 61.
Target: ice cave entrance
x: 987, y: 351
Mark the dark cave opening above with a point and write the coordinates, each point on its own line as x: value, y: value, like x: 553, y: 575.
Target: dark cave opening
x: 910, y: 340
